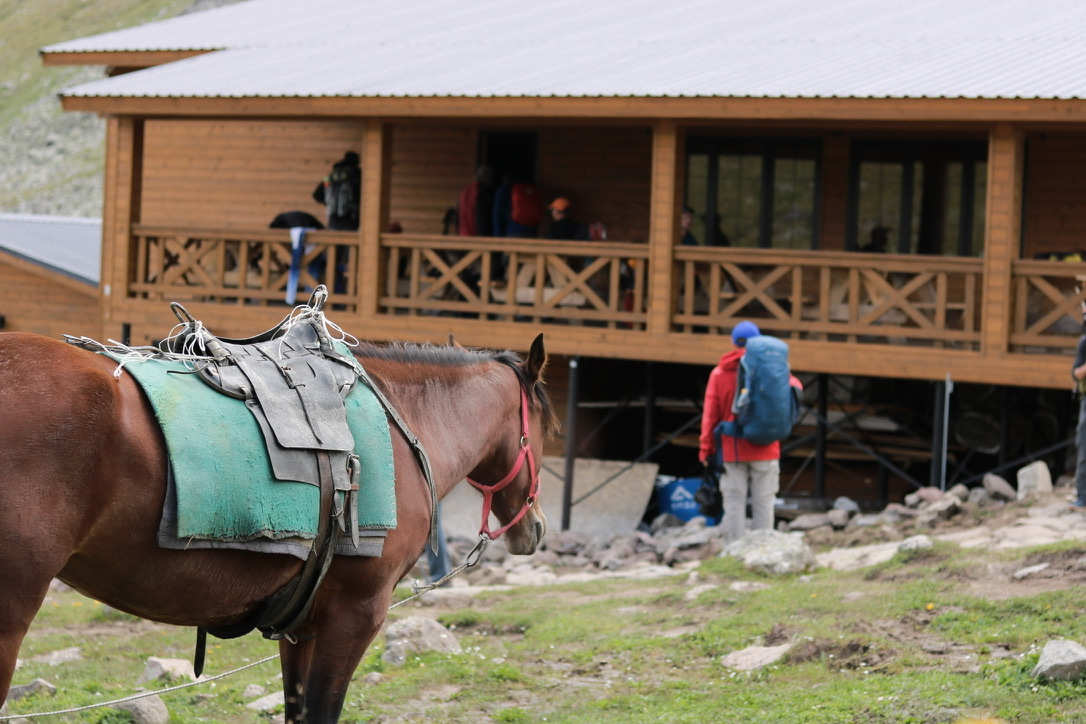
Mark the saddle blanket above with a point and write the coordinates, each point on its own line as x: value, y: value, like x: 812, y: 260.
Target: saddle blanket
x: 222, y: 492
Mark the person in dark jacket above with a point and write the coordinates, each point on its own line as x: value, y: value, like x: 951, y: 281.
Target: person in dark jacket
x: 341, y: 192
x: 563, y: 227
x: 1078, y: 374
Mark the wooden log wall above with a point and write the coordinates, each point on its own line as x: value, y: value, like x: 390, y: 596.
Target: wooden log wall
x: 605, y: 172
x: 237, y: 173
x: 1055, y: 216
x: 44, y: 302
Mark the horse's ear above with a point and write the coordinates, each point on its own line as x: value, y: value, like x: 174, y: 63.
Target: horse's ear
x: 537, y: 360
x: 453, y: 342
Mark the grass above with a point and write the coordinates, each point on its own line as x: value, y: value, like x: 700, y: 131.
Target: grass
x: 900, y: 642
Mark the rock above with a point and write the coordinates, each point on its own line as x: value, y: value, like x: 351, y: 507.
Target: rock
x: 1029, y: 571
x: 755, y: 657
x: 959, y: 491
x: 696, y: 591
x: 912, y: 500
x: 253, y: 691
x: 978, y: 497
x: 373, y: 678
x: 1065, y: 660
x: 946, y: 507
x: 1034, y: 479
x: 35, y: 686
x: 62, y: 656
x: 772, y: 552
x: 267, y: 703
x: 146, y: 710
x: 930, y: 494
x: 848, y: 505
x: 748, y: 586
x: 166, y: 670
x: 666, y: 520
x: 916, y: 543
x: 900, y: 512
x: 809, y: 521
x: 838, y: 518
x: 998, y: 488
x: 416, y: 634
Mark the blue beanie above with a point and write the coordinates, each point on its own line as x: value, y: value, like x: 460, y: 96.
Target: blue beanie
x: 744, y: 330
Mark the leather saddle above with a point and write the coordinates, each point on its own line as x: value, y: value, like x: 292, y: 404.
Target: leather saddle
x: 293, y: 381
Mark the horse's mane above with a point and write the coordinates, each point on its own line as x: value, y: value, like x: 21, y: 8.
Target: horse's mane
x: 455, y: 356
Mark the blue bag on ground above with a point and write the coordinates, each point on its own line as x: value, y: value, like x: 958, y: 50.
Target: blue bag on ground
x: 766, y: 406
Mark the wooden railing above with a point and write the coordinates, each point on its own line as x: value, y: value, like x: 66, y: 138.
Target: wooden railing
x: 244, y: 266
x: 833, y: 296
x: 837, y: 296
x: 1048, y: 306
x: 574, y: 282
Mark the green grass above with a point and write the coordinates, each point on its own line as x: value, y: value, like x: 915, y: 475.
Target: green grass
x: 901, y: 642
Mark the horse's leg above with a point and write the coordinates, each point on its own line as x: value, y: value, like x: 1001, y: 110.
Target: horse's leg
x: 18, y: 606
x: 295, y: 660
x: 347, y: 617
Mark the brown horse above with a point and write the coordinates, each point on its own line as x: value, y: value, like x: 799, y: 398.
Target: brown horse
x: 83, y: 478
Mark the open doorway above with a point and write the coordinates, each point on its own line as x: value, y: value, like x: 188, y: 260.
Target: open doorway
x: 509, y: 153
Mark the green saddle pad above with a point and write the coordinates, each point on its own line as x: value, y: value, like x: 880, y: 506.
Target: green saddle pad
x: 222, y: 474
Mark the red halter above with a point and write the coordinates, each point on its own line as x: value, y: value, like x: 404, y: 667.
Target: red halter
x: 533, y: 493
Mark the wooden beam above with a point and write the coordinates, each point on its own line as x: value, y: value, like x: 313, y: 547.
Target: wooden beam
x: 1006, y: 148
x: 121, y: 208
x: 663, y: 221
x: 374, y: 143
x: 142, y: 59
x: 896, y: 110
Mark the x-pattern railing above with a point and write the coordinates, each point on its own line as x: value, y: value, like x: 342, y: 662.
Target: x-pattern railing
x: 1049, y: 298
x: 543, y: 280
x: 246, y: 266
x: 827, y: 295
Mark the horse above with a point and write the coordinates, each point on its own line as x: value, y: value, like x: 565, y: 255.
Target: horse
x: 83, y: 468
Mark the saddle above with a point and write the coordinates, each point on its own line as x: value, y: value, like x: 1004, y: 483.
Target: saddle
x: 293, y: 381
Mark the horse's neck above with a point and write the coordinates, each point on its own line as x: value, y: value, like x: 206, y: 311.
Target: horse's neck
x: 458, y: 425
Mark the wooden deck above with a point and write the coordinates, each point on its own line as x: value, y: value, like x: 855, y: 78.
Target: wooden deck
x: 844, y: 313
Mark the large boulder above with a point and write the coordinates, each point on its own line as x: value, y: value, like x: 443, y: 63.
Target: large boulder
x: 414, y: 635
x: 1064, y: 660
x: 772, y: 552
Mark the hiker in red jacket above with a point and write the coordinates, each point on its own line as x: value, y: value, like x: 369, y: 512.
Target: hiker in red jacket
x: 746, y: 466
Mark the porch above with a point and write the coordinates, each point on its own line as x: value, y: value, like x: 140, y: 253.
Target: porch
x: 886, y: 315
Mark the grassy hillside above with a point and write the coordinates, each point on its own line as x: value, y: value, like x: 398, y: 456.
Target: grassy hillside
x: 51, y: 161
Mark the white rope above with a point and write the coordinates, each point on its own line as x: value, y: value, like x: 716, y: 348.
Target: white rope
x: 472, y: 558
x: 143, y: 695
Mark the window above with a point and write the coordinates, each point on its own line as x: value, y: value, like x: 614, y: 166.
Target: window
x: 918, y: 197
x: 753, y: 192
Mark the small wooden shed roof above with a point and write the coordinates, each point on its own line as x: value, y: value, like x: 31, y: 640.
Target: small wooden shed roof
x: 951, y: 49
x: 71, y: 246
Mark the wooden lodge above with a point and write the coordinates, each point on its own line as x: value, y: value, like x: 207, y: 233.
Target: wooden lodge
x: 974, y: 185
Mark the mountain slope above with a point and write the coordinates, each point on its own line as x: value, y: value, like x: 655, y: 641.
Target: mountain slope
x: 51, y: 161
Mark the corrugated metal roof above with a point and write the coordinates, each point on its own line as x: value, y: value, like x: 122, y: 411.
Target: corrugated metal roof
x: 615, y: 48
x: 67, y: 244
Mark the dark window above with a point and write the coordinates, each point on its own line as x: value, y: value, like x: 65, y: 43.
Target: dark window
x: 754, y: 192
x: 922, y: 197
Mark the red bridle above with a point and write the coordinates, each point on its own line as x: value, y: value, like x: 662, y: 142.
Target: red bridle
x: 489, y: 490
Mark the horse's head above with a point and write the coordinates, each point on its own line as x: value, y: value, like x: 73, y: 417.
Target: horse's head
x: 509, y: 479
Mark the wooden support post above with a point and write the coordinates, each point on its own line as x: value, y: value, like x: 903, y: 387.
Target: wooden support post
x: 663, y: 222
x: 372, y: 216
x: 121, y: 208
x: 1006, y: 148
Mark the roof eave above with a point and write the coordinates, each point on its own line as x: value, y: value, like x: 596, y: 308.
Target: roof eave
x: 992, y: 110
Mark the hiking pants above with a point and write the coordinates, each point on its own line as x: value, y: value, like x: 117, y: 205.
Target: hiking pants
x: 1080, y: 462
x: 762, y: 479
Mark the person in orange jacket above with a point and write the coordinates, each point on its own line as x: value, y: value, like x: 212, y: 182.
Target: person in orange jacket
x: 746, y: 466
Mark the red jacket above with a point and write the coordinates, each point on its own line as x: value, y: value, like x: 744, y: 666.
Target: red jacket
x: 719, y: 393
